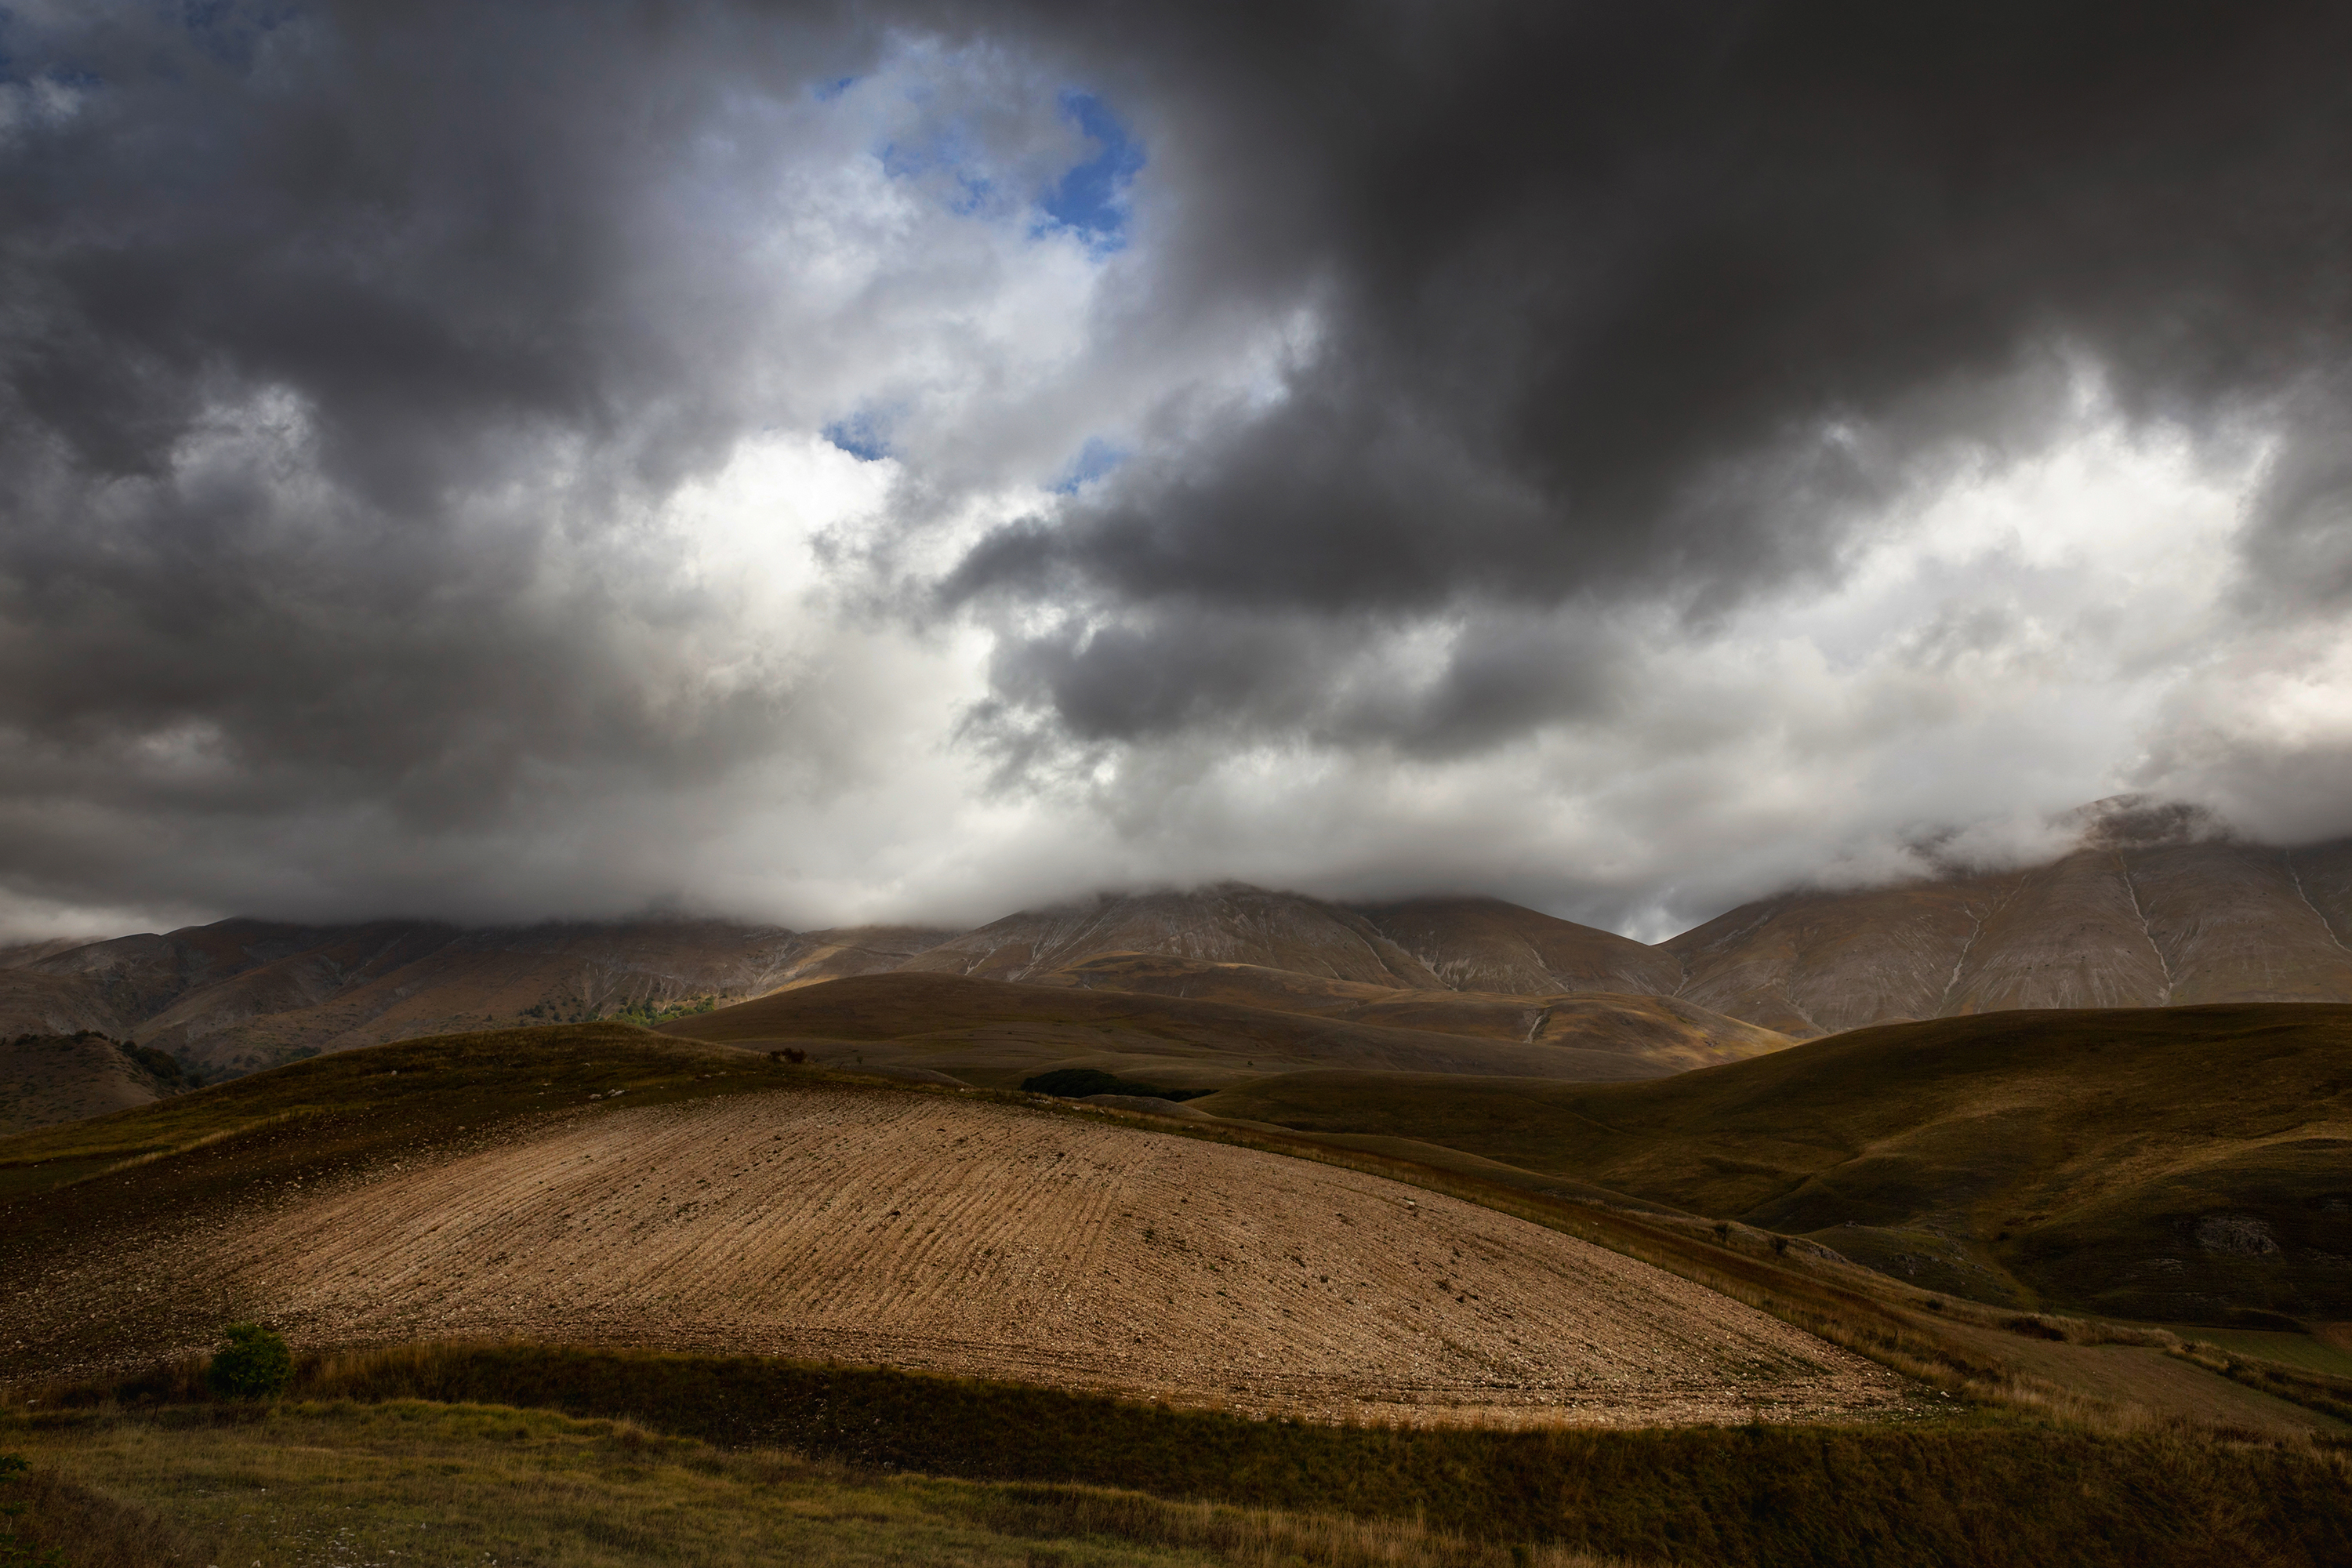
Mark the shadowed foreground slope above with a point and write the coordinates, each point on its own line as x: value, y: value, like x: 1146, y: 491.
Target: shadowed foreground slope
x: 2174, y: 1164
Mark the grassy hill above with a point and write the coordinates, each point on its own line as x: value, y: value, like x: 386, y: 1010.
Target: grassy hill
x: 997, y: 1033
x: 2186, y: 1165
x: 1673, y: 1033
x: 50, y: 1078
x: 372, y: 1166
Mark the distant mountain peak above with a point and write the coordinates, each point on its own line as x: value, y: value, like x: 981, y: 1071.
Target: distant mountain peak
x: 2143, y: 822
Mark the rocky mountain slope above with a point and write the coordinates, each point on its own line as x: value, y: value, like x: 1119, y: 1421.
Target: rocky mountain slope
x: 2152, y: 908
x: 240, y: 994
x: 1486, y: 944
x: 1228, y: 924
x: 2122, y: 926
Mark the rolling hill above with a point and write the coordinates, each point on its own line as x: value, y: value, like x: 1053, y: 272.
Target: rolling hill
x: 1672, y: 1034
x: 599, y: 1185
x: 50, y: 1078
x: 2153, y: 907
x: 1001, y: 1033
x: 2188, y: 1164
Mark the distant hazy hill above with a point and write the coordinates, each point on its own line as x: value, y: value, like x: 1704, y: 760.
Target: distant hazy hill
x: 2143, y: 915
x: 2121, y: 926
x: 243, y: 994
x: 1227, y: 924
x: 1486, y: 944
x: 48, y: 1078
x: 2153, y: 909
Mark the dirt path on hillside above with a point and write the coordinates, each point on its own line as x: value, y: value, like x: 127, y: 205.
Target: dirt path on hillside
x: 994, y: 1241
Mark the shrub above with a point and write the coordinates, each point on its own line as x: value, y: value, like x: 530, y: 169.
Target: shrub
x: 1077, y: 1083
x: 162, y: 1066
x: 254, y: 1364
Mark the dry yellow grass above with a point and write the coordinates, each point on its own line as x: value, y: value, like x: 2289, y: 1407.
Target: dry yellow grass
x: 413, y: 1483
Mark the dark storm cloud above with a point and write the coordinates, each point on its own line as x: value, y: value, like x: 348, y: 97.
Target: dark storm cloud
x: 1180, y: 668
x: 298, y: 302
x: 419, y: 219
x: 1664, y: 298
x: 350, y: 354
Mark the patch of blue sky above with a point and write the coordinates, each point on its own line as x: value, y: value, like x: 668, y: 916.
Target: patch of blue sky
x: 1091, y: 198
x: 1094, y: 459
x: 827, y: 92
x: 861, y: 435
x: 966, y: 191
x: 22, y: 69
x: 229, y: 30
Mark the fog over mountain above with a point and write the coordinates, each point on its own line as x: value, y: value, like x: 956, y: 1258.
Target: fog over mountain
x: 832, y: 463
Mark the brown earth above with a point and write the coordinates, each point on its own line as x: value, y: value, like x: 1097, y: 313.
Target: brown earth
x: 2171, y: 1165
x: 998, y: 1241
x: 998, y: 1034
x: 1666, y: 1032
x: 47, y: 1080
x: 1486, y: 944
x: 434, y: 983
x: 1231, y: 924
x: 17, y: 956
x: 37, y: 1004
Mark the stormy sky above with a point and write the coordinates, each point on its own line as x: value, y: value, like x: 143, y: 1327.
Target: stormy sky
x: 912, y: 460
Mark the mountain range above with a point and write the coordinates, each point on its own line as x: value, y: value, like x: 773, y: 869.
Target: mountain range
x: 2150, y: 909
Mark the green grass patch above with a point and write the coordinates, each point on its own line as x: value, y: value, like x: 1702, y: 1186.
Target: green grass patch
x: 2299, y: 1351
x: 1991, y: 1490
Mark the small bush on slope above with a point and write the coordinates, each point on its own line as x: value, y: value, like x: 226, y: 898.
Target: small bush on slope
x: 254, y: 1364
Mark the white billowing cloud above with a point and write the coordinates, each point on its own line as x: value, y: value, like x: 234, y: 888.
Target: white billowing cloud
x: 677, y: 643
x: 2017, y: 640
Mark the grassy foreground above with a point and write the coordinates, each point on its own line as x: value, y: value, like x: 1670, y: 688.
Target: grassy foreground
x: 1988, y: 1489
x: 412, y: 1482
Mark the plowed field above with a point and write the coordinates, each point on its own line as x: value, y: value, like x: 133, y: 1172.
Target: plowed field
x: 996, y: 1241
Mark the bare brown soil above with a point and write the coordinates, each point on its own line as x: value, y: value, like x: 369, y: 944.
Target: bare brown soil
x: 996, y: 1241
x: 47, y: 1080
